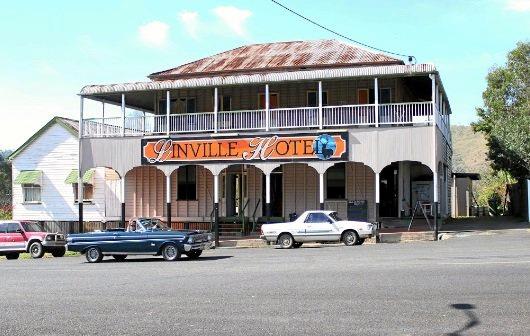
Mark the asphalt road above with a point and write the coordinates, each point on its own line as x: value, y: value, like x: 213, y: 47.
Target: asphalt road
x: 475, y: 285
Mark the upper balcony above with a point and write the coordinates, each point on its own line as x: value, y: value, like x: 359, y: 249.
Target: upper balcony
x: 329, y: 103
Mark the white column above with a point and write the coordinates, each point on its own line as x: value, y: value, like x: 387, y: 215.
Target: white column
x: 168, y: 110
x: 268, y: 188
x: 377, y: 196
x: 267, y: 108
x: 168, y: 189
x: 215, y: 108
x: 123, y: 114
x: 216, y: 188
x: 122, y: 189
x: 321, y: 189
x: 320, y: 119
x: 79, y: 160
x: 376, y: 101
x: 433, y: 97
x: 103, y: 113
x: 401, y: 168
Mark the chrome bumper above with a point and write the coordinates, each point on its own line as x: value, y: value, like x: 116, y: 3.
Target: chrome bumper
x: 54, y: 243
x: 198, y: 246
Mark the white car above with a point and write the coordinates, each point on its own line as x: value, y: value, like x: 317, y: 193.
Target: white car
x: 317, y: 226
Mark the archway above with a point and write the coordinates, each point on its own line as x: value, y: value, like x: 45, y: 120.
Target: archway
x: 403, y: 185
x: 191, y: 197
x: 300, y: 183
x: 145, y: 190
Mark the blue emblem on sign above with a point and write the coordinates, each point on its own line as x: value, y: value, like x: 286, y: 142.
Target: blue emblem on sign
x: 324, y: 146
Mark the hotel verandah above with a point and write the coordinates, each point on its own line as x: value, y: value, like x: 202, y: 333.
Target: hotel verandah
x: 392, y: 119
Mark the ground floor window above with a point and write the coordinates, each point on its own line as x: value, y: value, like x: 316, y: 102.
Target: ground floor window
x: 336, y: 181
x: 31, y: 193
x: 187, y: 183
x: 88, y: 193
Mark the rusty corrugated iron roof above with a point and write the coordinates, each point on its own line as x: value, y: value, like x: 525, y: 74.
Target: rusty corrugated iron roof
x: 262, y: 78
x: 278, y: 56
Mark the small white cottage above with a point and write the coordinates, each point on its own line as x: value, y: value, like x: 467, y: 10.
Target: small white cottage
x: 45, y: 181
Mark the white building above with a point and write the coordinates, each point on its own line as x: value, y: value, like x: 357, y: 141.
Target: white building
x: 45, y: 181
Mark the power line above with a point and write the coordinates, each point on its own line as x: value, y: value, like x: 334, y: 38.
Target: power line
x: 410, y: 57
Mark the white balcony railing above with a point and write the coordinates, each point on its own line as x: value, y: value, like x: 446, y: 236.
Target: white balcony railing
x: 418, y: 113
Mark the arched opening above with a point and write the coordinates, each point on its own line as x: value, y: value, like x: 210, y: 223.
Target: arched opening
x: 191, y: 197
x: 276, y: 194
x: 404, y: 186
x: 145, y: 190
x: 300, y: 185
x: 349, y: 190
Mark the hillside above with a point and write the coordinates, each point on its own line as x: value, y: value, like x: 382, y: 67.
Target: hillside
x: 469, y: 151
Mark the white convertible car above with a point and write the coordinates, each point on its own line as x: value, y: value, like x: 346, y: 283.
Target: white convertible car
x: 317, y: 226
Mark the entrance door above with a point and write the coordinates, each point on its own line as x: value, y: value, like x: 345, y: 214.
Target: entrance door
x: 389, y: 191
x: 276, y: 193
x: 235, y: 184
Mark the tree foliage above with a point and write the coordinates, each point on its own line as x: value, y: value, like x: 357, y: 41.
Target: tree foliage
x: 5, y: 176
x: 505, y: 117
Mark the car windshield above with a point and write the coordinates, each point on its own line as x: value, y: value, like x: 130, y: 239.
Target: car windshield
x: 153, y: 224
x: 32, y: 227
x: 335, y: 216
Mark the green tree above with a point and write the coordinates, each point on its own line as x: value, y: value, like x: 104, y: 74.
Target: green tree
x: 505, y: 117
x: 5, y: 175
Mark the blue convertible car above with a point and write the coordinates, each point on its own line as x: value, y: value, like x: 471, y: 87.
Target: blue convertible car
x: 146, y: 236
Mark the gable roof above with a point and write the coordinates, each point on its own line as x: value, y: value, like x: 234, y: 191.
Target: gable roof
x: 70, y: 125
x: 279, y: 56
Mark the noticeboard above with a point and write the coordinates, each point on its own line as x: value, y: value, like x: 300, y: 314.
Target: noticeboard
x: 358, y: 210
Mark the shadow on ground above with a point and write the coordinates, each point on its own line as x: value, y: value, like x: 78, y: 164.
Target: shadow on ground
x: 473, y: 320
x: 144, y: 260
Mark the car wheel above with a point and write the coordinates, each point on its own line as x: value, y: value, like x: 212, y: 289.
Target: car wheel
x: 59, y: 252
x: 36, y: 250
x: 297, y: 245
x: 350, y: 238
x: 361, y: 241
x: 170, y: 252
x: 119, y: 257
x: 285, y: 241
x: 94, y: 255
x: 12, y: 256
x: 194, y: 254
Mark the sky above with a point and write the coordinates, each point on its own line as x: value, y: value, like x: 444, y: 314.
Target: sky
x: 50, y: 49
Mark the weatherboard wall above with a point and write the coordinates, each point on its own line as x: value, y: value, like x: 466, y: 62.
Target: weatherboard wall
x: 55, y: 154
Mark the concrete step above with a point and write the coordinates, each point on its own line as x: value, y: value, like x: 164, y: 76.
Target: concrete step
x: 399, y: 237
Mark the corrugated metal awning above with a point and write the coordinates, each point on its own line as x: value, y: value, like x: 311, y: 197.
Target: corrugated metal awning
x: 268, y: 77
x: 29, y: 177
x: 88, y: 177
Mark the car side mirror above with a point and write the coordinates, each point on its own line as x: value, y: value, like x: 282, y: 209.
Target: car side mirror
x: 19, y: 231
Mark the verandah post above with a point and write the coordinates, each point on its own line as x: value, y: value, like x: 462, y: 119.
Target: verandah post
x: 321, y: 189
x: 268, y: 196
x: 435, y: 164
x: 79, y: 167
x: 123, y: 114
x: 168, y: 108
x: 320, y: 117
x: 267, y: 108
x: 168, y: 200
x: 216, y: 207
x: 215, y: 109
x: 376, y: 101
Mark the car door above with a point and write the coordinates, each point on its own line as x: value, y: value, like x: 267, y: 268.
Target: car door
x: 3, y: 235
x: 15, y: 237
x: 319, y: 227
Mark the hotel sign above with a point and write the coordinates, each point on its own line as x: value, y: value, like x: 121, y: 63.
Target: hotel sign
x: 289, y: 147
